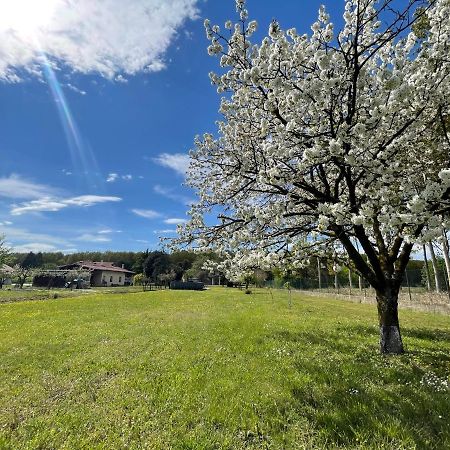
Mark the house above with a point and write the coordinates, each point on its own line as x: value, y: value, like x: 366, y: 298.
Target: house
x: 103, y: 273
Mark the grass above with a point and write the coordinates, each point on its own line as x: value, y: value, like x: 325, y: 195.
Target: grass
x: 10, y: 295
x: 218, y: 370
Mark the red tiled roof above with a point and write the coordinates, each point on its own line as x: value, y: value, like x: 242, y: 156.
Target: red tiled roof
x: 96, y: 265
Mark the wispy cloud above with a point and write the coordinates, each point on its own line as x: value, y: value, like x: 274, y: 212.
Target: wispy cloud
x: 35, y: 247
x: 16, y: 187
x: 166, y: 231
x: 15, y: 234
x: 175, y: 221
x: 49, y: 204
x: 88, y: 36
x: 147, y: 213
x: 173, y: 195
x: 179, y: 162
x: 90, y: 237
x: 108, y: 231
x: 90, y: 200
x: 75, y: 89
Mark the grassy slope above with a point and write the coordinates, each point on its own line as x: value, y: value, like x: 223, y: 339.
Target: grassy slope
x: 218, y: 369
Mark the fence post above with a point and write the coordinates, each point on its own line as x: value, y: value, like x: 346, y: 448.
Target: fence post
x: 409, y: 289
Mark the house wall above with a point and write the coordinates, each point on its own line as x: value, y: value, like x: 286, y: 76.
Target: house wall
x: 111, y: 278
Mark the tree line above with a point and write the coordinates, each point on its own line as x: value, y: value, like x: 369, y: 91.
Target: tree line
x: 158, y: 266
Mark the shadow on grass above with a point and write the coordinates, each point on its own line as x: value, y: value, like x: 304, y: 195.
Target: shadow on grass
x: 354, y: 396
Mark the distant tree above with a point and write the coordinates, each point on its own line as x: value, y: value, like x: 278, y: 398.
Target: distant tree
x: 138, y: 264
x: 32, y: 260
x: 181, y: 261
x: 167, y: 276
x: 138, y: 279
x: 21, y: 274
x: 204, y: 265
x: 5, y: 258
x: 156, y: 264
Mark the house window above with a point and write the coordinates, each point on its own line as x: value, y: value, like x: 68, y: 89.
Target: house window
x: 110, y: 279
x: 120, y: 279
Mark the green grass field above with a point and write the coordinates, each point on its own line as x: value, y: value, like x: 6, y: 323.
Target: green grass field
x: 218, y: 370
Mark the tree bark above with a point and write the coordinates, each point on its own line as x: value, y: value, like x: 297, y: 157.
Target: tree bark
x: 446, y: 255
x: 390, y: 337
x: 319, y: 275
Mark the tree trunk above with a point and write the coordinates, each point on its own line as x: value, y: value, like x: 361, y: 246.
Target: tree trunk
x: 435, y: 267
x: 319, y: 274
x: 446, y: 255
x: 427, y: 269
x: 390, y: 337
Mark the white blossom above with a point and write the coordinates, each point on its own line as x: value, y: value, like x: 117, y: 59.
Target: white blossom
x: 322, y: 145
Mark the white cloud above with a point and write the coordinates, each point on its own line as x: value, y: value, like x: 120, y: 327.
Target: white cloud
x: 20, y: 234
x: 108, y: 231
x: 35, y: 247
x: 147, y: 213
x: 112, y: 177
x: 16, y: 187
x: 170, y: 193
x: 109, y: 37
x: 43, y: 204
x: 91, y: 200
x: 88, y: 237
x: 179, y: 162
x: 121, y: 79
x: 167, y: 231
x: 175, y: 221
x: 49, y: 204
x: 75, y: 89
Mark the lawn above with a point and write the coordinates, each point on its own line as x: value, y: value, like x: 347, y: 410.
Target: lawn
x: 218, y: 370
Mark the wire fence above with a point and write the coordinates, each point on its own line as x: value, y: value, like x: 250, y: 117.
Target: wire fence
x: 418, y: 290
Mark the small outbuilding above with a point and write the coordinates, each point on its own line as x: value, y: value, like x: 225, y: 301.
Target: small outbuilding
x: 103, y: 273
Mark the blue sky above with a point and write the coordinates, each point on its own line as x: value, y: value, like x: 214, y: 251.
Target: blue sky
x: 99, y: 107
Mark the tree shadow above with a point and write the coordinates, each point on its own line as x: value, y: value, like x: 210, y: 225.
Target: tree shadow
x: 354, y: 394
